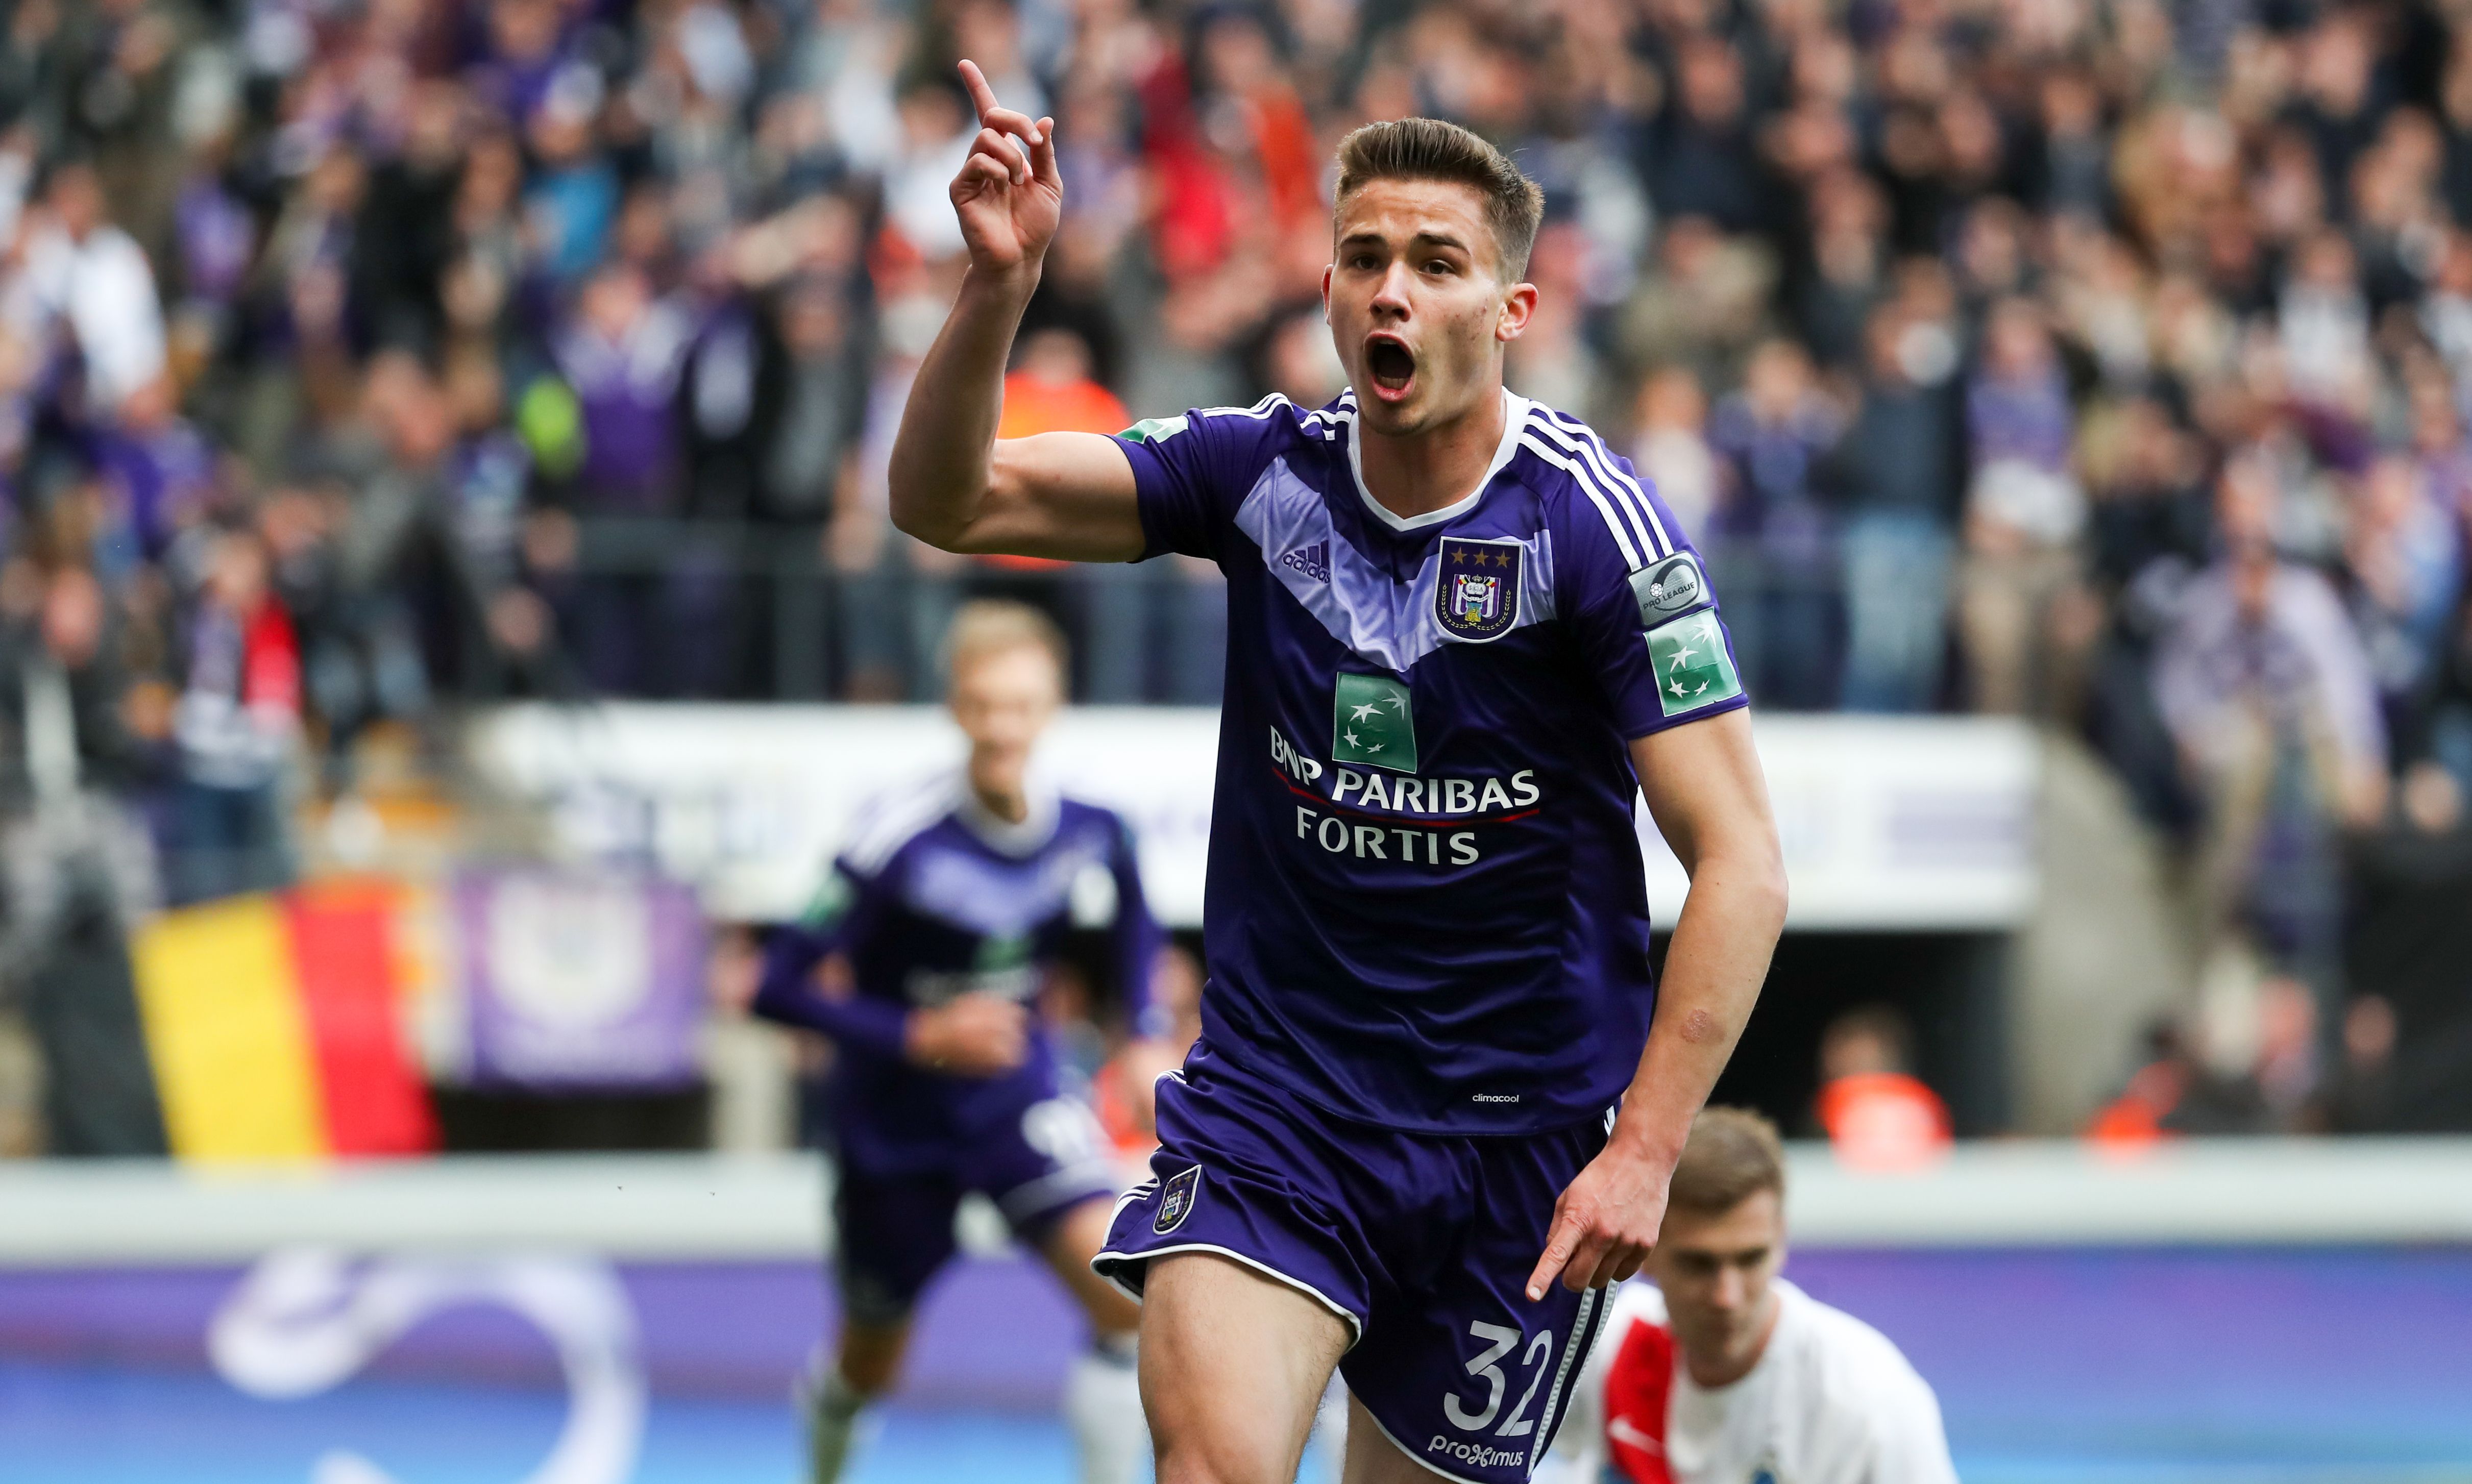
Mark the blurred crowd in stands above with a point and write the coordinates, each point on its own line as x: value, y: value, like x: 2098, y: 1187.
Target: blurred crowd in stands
x: 2107, y: 363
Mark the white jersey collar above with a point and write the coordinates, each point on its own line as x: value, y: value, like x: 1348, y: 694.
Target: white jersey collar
x: 1006, y: 837
x: 1514, y: 418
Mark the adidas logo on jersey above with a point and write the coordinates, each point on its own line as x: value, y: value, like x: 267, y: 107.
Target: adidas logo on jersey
x: 1314, y: 560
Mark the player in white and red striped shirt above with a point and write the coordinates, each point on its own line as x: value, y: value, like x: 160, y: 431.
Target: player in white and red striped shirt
x: 1724, y: 1372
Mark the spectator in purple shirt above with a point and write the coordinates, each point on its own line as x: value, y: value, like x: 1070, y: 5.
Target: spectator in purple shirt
x: 2269, y: 695
x: 1771, y: 436
x: 622, y: 355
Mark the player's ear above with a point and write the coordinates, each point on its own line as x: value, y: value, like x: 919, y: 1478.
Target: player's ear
x: 1325, y: 290
x: 1518, y: 307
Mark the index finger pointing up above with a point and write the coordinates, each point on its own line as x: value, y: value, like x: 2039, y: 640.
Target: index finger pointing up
x: 982, y: 96
x: 994, y: 115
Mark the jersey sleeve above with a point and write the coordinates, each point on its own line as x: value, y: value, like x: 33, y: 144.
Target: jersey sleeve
x: 842, y: 914
x: 1191, y: 472
x: 1636, y: 594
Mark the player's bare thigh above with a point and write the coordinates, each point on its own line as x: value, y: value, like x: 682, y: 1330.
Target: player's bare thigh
x: 1372, y: 1458
x: 1079, y: 1235
x: 1233, y: 1364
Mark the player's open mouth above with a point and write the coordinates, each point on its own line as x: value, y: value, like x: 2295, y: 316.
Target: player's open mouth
x: 1393, y: 365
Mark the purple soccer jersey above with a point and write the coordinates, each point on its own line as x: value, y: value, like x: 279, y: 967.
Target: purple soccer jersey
x: 936, y: 898
x: 1426, y: 907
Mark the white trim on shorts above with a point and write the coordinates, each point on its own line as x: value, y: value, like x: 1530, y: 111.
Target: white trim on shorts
x: 1057, y: 1191
x: 1355, y: 1326
x: 1563, y: 1373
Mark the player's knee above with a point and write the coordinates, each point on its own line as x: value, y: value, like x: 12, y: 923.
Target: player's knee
x: 1191, y: 1459
x: 871, y: 1356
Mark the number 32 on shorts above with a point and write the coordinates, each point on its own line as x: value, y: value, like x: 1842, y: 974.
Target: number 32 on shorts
x: 1500, y: 1340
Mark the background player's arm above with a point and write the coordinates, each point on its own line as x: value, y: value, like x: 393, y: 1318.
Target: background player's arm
x: 807, y: 983
x: 1711, y: 802
x: 953, y: 484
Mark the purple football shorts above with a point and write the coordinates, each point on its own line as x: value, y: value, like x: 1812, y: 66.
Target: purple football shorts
x: 897, y: 1229
x: 1420, y: 1243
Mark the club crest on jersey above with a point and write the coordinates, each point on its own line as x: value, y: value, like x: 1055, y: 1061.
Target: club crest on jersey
x: 1175, y: 1201
x: 1476, y: 596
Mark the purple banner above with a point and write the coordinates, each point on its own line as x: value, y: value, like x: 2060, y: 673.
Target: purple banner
x: 579, y: 978
x: 2315, y: 1349
x: 991, y: 1334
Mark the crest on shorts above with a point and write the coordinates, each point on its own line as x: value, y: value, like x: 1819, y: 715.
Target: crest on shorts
x: 1476, y: 593
x: 1175, y: 1201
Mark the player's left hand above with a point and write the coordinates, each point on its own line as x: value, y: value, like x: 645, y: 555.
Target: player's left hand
x: 1606, y: 1221
x: 1009, y: 195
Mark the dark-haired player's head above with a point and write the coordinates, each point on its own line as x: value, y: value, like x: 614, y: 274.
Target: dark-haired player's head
x: 1007, y: 663
x: 1431, y: 233
x: 1724, y: 1240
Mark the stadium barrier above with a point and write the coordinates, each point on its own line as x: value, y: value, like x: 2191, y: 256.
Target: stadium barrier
x: 771, y: 1208
x: 2298, y: 1308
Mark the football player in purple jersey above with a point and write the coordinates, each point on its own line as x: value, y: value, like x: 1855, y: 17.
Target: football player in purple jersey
x: 920, y: 958
x: 1439, y: 1092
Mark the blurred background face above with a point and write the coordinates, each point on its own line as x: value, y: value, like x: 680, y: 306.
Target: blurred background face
x: 613, y: 301
x: 1778, y: 380
x: 1713, y: 1271
x: 1673, y: 399
x: 2015, y: 343
x: 77, y: 200
x: 1059, y: 358
x: 1418, y: 303
x: 1003, y: 701
x: 73, y: 616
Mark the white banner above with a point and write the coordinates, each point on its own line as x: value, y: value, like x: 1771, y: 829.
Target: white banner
x: 1920, y: 824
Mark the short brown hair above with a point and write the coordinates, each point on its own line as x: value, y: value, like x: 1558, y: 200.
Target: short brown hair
x: 1431, y: 150
x: 985, y: 626
x: 1732, y: 1155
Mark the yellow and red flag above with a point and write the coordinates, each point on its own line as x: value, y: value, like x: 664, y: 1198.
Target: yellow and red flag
x: 273, y: 1024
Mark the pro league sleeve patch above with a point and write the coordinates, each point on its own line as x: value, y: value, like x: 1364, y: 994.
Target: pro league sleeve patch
x: 1686, y: 647
x: 1669, y: 589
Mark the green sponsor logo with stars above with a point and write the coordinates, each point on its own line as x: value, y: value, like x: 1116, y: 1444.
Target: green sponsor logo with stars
x: 1371, y: 725
x: 1693, y: 669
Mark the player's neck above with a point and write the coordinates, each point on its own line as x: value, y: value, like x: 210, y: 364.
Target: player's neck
x: 1709, y: 1373
x: 1008, y: 800
x: 1418, y: 473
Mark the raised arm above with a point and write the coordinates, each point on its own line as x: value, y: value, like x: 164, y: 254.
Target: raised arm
x: 954, y: 484
x: 1711, y: 802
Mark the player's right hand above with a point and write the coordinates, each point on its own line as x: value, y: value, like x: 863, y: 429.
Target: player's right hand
x: 1010, y: 193
x: 972, y: 1035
